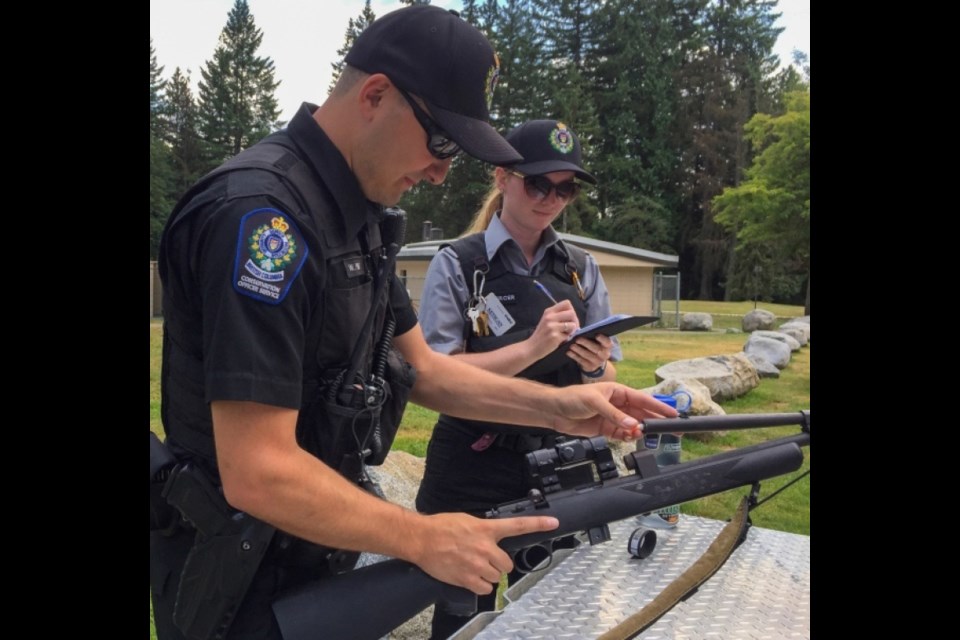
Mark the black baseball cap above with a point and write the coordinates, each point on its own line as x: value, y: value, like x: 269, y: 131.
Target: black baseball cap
x: 548, y: 145
x: 436, y: 55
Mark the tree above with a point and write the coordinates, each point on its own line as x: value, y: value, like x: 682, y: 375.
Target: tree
x: 723, y: 86
x: 354, y: 28
x: 640, y: 87
x: 237, y: 104
x: 157, y: 85
x: 770, y: 211
x: 182, y: 135
x: 640, y: 222
x: 161, y: 176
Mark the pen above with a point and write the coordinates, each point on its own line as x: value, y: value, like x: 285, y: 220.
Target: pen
x: 545, y: 292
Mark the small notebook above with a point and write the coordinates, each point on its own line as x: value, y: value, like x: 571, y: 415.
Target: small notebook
x: 608, y: 326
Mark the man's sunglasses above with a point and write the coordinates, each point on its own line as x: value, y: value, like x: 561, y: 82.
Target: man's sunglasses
x: 538, y: 187
x: 439, y: 142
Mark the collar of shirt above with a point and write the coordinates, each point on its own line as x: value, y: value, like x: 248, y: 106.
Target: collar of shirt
x: 331, y: 167
x: 496, y: 237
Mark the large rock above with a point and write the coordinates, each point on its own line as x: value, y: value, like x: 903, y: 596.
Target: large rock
x: 726, y: 376
x: 764, y: 368
x: 702, y: 403
x: 795, y: 326
x: 775, y: 352
x: 696, y: 321
x: 758, y: 319
x: 782, y: 336
x: 399, y: 477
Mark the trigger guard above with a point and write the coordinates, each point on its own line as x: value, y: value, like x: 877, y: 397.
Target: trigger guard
x: 521, y: 560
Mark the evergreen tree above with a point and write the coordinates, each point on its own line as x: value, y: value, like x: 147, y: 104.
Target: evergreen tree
x: 182, y: 135
x: 640, y: 222
x: 237, y: 106
x: 161, y: 176
x: 563, y: 36
x: 157, y: 85
x: 638, y: 90
x: 722, y: 89
x: 354, y: 28
x: 161, y: 179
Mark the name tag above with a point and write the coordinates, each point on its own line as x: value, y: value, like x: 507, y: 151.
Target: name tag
x: 354, y: 267
x: 498, y: 318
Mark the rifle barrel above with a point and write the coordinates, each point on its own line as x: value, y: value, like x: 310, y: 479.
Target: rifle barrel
x: 694, y: 424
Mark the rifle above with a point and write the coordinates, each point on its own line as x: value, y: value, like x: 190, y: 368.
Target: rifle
x: 369, y: 602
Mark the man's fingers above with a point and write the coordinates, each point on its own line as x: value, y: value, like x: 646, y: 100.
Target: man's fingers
x: 509, y: 527
x: 480, y: 586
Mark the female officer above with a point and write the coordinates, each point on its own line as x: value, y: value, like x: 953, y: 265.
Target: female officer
x: 502, y: 297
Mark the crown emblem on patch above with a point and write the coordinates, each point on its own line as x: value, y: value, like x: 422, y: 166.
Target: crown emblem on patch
x: 271, y: 247
x: 561, y: 138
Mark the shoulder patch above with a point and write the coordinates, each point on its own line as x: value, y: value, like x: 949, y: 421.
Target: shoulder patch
x: 270, y: 253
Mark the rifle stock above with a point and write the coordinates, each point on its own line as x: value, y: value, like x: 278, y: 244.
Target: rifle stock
x: 368, y: 603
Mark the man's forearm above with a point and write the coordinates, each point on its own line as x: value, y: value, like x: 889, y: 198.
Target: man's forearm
x: 266, y: 474
x: 453, y: 386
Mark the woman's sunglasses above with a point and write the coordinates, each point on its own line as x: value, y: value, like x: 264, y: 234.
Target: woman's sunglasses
x: 538, y: 187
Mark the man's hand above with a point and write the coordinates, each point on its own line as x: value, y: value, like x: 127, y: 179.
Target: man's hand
x: 462, y: 550
x: 608, y: 409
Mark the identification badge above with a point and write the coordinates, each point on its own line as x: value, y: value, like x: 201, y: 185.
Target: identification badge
x: 498, y: 318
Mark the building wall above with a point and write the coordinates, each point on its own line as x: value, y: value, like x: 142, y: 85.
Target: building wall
x: 630, y: 283
x: 631, y: 287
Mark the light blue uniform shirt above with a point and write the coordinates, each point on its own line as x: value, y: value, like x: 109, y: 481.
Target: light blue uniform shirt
x: 446, y: 291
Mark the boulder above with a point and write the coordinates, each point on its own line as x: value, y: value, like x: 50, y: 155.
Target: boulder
x: 702, y: 405
x: 764, y: 368
x: 696, y: 321
x: 775, y: 352
x: 782, y: 336
x: 758, y: 319
x: 794, y: 326
x: 726, y: 376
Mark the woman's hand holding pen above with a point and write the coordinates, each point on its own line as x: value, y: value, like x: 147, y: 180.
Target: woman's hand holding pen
x: 555, y: 326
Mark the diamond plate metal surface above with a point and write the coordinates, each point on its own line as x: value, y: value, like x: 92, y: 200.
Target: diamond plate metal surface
x: 761, y: 592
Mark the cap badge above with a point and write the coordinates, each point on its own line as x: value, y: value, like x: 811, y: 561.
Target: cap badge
x: 561, y: 138
x: 493, y: 76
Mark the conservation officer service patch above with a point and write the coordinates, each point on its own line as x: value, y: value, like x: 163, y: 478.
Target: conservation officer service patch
x: 270, y: 252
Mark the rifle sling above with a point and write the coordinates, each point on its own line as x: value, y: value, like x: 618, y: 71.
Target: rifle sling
x: 691, y: 579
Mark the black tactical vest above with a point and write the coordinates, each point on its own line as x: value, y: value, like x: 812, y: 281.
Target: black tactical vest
x: 336, y: 322
x: 525, y: 304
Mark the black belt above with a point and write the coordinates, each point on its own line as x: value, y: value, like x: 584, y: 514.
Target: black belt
x: 523, y: 443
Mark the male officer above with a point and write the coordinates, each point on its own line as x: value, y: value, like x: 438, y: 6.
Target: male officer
x: 277, y: 296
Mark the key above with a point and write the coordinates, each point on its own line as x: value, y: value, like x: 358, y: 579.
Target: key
x: 474, y: 314
x: 483, y: 323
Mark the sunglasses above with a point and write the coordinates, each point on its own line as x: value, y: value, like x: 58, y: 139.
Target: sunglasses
x: 439, y: 142
x: 538, y: 187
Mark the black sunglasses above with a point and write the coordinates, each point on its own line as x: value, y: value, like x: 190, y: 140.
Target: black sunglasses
x: 439, y: 142
x: 538, y: 187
